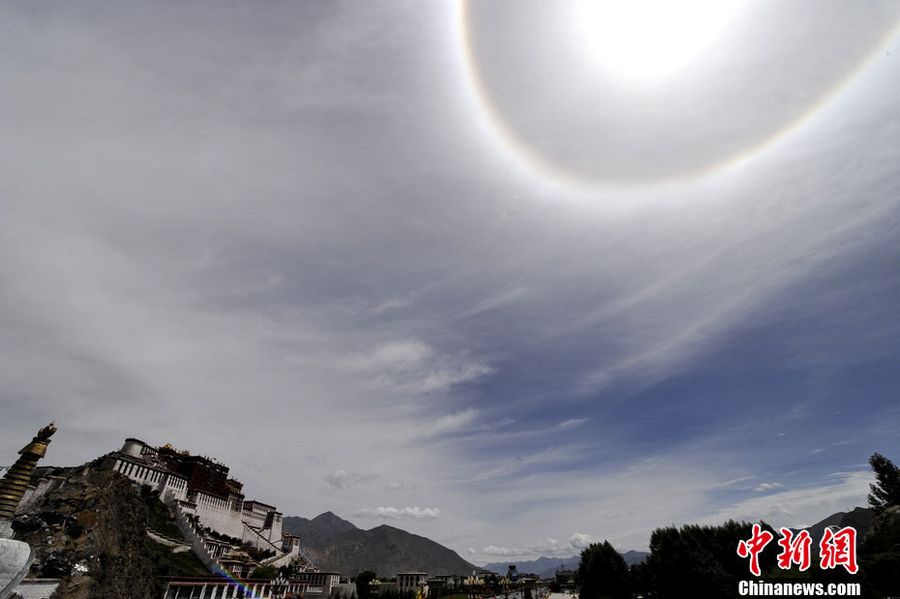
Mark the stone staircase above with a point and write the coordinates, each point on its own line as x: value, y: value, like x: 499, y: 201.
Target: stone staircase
x: 192, y: 535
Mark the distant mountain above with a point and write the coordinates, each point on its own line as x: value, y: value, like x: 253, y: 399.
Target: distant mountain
x: 542, y: 566
x: 546, y: 567
x: 635, y: 557
x: 337, y: 545
x: 318, y: 532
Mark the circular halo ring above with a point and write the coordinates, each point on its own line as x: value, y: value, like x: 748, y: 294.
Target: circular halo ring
x: 518, y: 147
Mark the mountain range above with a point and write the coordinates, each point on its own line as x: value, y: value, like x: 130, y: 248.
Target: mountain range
x: 860, y: 518
x: 546, y: 567
x: 335, y: 544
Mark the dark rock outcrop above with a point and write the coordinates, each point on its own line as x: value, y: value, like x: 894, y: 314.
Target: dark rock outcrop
x: 91, y: 532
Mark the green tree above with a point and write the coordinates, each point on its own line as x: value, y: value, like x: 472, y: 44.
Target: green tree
x: 641, y: 583
x: 363, y: 579
x: 880, y: 554
x: 880, y: 550
x: 699, y: 557
x: 602, y: 573
x: 886, y: 489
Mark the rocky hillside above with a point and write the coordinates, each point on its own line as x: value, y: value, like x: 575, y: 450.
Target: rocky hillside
x: 337, y: 545
x: 93, y: 533
x: 860, y: 518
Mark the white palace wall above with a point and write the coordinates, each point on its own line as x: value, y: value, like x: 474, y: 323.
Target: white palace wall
x: 159, y: 480
x: 219, y: 514
x: 232, y: 516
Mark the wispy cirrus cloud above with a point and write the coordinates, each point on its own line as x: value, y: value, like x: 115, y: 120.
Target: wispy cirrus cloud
x: 341, y: 479
x: 761, y: 487
x: 412, y: 366
x: 838, y: 491
x: 224, y: 234
x: 452, y: 423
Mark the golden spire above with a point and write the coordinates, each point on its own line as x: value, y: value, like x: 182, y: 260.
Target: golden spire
x: 18, y: 477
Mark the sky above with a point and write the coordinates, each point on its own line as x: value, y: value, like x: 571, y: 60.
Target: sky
x: 515, y: 278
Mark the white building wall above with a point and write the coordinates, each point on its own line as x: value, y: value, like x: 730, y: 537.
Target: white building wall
x: 216, y: 514
x: 223, y: 589
x: 133, y: 447
x: 266, y: 523
x: 320, y: 583
x: 274, y: 533
x: 254, y: 518
x: 410, y: 581
x: 174, y: 484
x: 163, y: 482
x: 232, y: 516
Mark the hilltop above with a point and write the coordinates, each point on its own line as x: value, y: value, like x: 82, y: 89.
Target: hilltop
x: 337, y: 545
x: 104, y: 537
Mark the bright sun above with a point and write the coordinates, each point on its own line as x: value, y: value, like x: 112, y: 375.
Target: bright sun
x: 651, y: 39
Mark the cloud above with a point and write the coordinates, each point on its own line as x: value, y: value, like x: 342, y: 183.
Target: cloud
x: 412, y: 366
x: 394, y: 513
x: 547, y: 548
x: 502, y: 551
x: 734, y: 481
x: 451, y: 423
x: 341, y: 479
x: 223, y: 234
x: 393, y: 356
x: 544, y: 459
x: 841, y: 491
x: 767, y: 486
x: 580, y: 540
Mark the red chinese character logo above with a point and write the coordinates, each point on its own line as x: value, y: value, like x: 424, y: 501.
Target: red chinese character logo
x: 794, y: 550
x: 753, y: 547
x: 839, y: 549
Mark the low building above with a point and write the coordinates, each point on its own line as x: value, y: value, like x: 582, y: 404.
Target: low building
x: 411, y: 581
x: 382, y: 587
x: 238, y: 563
x: 443, y: 583
x: 344, y: 590
x: 222, y: 588
x: 319, y: 583
x: 565, y: 579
